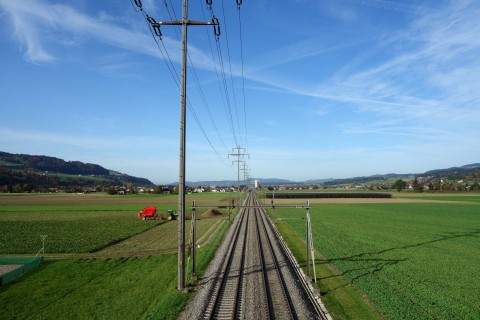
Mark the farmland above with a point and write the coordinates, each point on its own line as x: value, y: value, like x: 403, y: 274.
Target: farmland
x: 81, y: 223
x: 412, y: 260
x: 463, y: 197
x: 101, y: 261
x: 405, y: 258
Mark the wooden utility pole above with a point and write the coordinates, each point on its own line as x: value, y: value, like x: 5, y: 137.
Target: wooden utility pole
x: 183, y: 106
x: 194, y: 238
x: 310, y: 248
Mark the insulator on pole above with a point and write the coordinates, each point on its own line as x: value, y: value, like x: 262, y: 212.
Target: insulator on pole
x: 155, y: 26
x: 158, y: 33
x: 209, y: 4
x: 216, y: 27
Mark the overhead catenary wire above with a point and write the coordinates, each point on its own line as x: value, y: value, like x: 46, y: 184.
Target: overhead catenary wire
x: 239, y: 3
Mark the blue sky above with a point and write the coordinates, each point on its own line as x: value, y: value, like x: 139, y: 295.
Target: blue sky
x: 312, y: 89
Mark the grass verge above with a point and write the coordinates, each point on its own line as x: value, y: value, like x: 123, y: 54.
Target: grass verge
x: 122, y: 288
x: 342, y: 299
x: 412, y: 260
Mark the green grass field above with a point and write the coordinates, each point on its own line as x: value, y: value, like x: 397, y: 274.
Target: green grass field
x: 412, y: 260
x: 122, y: 288
x: 128, y: 275
x: 463, y: 197
x: 82, y: 223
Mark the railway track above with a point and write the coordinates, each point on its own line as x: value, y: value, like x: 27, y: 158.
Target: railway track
x: 253, y: 277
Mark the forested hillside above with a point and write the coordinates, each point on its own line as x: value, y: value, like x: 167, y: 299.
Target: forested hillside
x: 33, y: 172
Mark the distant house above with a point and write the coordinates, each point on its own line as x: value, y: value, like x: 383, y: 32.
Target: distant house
x: 121, y: 190
x: 166, y: 190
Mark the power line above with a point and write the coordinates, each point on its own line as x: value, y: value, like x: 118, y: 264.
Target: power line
x: 239, y: 2
x: 221, y: 79
x: 230, y: 67
x: 199, y: 87
x: 225, y: 93
x: 155, y: 32
x: 225, y: 88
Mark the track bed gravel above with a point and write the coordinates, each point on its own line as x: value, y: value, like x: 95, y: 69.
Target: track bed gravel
x: 259, y: 293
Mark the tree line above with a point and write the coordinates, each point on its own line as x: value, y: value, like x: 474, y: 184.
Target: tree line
x: 437, y: 185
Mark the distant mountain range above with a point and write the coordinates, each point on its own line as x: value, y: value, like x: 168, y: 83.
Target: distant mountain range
x: 225, y: 183
x: 45, y: 172
x: 455, y: 173
x: 451, y: 173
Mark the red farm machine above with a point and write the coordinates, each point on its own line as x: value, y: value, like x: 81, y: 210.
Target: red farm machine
x: 150, y: 213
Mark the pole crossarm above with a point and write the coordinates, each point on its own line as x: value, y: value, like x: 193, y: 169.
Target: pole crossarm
x: 186, y: 22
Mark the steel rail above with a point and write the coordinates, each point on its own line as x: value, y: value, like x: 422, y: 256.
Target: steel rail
x: 267, y: 286
x: 276, y: 266
x: 221, y: 287
x: 260, y: 259
x: 296, y: 269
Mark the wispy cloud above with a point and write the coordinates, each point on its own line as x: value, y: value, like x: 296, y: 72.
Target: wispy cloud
x: 298, y: 51
x: 431, y: 78
x: 388, y: 5
x: 40, y: 26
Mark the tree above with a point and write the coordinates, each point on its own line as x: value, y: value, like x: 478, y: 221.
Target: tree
x: 158, y: 189
x: 417, y: 186
x: 399, y: 185
x: 475, y: 186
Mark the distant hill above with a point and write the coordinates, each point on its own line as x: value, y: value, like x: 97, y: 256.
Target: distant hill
x: 226, y: 183
x: 453, y: 173
x: 40, y: 172
x: 37, y: 172
x: 449, y: 173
